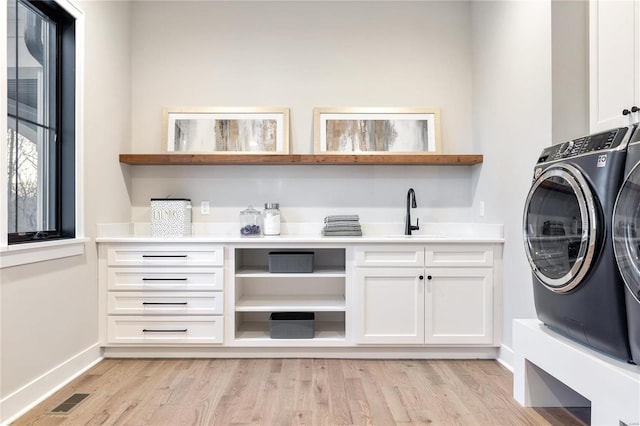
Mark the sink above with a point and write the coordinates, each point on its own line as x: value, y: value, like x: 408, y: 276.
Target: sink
x: 415, y: 237
x: 431, y: 231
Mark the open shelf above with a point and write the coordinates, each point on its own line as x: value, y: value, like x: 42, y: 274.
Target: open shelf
x: 258, y: 293
x: 284, y: 159
x: 254, y: 262
x: 258, y: 330
x: 296, y: 303
x: 318, y: 271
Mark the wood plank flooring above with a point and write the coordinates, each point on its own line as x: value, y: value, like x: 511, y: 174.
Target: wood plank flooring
x: 295, y: 392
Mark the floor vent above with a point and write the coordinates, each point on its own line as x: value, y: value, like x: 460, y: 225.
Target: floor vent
x: 70, y: 403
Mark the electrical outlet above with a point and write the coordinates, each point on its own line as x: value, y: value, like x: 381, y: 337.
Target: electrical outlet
x: 204, y: 207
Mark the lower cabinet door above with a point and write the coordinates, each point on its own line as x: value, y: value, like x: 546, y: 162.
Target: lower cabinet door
x: 459, y: 306
x: 162, y: 330
x: 390, y: 306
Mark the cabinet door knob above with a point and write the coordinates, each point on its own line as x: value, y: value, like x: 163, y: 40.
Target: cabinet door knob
x: 429, y: 277
x: 626, y: 112
x: 635, y: 109
x: 421, y: 277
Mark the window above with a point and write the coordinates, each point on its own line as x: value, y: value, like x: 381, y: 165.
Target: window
x: 41, y: 139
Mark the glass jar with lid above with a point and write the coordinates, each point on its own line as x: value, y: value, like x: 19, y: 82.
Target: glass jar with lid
x: 250, y: 222
x: 271, y: 218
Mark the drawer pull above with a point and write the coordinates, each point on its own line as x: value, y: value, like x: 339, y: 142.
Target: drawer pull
x: 160, y: 256
x: 151, y: 330
x: 164, y: 303
x: 164, y: 279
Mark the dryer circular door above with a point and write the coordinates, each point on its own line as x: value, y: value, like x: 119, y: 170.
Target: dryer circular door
x: 560, y: 227
x: 626, y: 225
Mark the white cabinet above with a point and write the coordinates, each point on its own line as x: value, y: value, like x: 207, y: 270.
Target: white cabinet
x: 447, y: 301
x: 162, y: 294
x: 459, y: 306
x: 188, y: 298
x: 391, y: 305
x: 614, y: 49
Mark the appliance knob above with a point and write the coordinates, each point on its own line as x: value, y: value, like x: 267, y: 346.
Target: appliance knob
x: 569, y: 147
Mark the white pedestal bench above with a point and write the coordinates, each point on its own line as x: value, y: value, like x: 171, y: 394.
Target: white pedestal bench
x: 551, y: 370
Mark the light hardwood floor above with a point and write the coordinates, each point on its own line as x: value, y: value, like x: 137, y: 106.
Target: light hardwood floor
x: 295, y: 392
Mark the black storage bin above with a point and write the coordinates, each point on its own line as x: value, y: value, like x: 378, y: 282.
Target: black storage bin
x: 291, y: 261
x: 291, y: 325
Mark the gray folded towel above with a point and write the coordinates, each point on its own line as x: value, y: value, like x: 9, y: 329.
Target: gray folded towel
x: 346, y: 225
x: 342, y: 218
x: 343, y: 228
x: 328, y: 233
x: 342, y: 223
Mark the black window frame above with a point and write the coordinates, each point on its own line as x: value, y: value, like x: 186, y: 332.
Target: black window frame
x: 64, y: 157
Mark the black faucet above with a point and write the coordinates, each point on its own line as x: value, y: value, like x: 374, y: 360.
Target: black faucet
x: 411, y: 202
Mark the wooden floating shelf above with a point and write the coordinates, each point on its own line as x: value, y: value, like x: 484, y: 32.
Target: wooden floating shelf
x: 285, y: 159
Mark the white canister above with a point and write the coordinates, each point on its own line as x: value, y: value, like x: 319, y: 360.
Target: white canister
x: 271, y: 219
x: 170, y: 217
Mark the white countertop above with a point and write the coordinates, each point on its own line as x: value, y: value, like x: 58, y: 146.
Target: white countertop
x: 309, y: 233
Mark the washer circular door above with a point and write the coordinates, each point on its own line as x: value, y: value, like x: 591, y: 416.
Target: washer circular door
x: 560, y: 227
x: 626, y: 224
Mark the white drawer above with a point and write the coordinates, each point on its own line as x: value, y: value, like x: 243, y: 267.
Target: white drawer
x: 165, y: 302
x: 459, y: 255
x: 165, y: 278
x: 158, y: 330
x: 390, y: 256
x: 165, y: 254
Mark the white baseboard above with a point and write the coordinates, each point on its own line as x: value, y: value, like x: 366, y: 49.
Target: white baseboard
x: 505, y: 357
x: 36, y: 391
x: 370, y: 352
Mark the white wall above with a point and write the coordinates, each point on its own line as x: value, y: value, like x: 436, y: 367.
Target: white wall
x: 49, y: 324
x: 570, y: 69
x: 511, y: 125
x: 107, y: 111
x: 304, y: 55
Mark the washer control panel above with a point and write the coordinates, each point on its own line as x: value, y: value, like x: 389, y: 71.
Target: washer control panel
x: 584, y: 145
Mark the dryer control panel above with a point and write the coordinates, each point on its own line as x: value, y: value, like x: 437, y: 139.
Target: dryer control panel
x: 597, y: 142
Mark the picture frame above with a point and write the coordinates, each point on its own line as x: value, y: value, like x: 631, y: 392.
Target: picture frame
x: 380, y: 131
x: 225, y: 130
